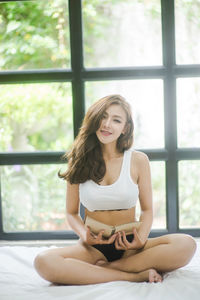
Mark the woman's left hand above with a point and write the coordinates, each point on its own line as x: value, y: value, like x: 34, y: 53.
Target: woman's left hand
x: 121, y: 242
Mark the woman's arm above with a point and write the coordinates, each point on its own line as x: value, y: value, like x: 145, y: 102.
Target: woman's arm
x: 72, y: 207
x: 145, y: 196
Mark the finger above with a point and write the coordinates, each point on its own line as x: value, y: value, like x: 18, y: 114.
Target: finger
x: 120, y: 242
x: 111, y: 239
x: 93, y: 236
x: 137, y: 242
x: 99, y: 236
x: 136, y: 235
x: 126, y: 242
x: 88, y: 231
x: 117, y: 246
x: 90, y: 236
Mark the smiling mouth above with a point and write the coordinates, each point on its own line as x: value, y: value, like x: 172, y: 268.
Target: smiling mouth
x: 105, y: 133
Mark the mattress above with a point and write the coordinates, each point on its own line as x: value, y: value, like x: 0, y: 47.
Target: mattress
x: 19, y: 281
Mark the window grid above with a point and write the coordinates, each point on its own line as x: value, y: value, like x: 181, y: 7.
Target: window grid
x: 78, y: 75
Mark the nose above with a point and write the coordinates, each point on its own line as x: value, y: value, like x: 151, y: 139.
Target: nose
x: 106, y: 123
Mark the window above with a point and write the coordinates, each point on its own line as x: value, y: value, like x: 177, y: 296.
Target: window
x: 59, y: 56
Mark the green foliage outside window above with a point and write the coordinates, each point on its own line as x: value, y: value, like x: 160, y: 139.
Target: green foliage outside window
x: 36, y: 117
x: 34, y: 34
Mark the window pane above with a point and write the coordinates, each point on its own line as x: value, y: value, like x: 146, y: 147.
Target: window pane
x: 159, y: 194
x: 144, y: 96
x: 33, y: 198
x: 35, y: 34
x: 187, y: 31
x: 188, y: 112
x: 189, y: 194
x: 122, y: 33
x: 36, y: 117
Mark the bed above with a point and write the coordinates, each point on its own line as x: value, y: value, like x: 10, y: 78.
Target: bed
x: 19, y: 281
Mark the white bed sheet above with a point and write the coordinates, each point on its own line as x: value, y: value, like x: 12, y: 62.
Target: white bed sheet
x: 19, y: 281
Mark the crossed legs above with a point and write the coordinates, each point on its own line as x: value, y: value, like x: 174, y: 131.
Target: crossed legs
x: 165, y: 253
x: 78, y: 264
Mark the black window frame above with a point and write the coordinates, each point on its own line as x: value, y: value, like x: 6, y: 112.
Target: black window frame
x: 78, y: 75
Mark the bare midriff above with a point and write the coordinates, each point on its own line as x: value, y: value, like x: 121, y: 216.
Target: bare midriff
x: 113, y: 217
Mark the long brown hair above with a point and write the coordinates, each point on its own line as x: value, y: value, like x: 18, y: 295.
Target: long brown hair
x: 85, y: 160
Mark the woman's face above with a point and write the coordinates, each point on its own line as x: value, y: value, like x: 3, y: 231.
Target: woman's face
x: 112, y: 124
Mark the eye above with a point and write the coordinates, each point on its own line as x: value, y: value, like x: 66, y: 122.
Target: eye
x: 117, y: 121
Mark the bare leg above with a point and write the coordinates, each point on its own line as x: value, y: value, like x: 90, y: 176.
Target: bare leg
x: 165, y: 253
x: 54, y: 266
x: 73, y: 271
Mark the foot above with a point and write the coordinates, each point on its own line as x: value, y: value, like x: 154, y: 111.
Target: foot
x: 150, y: 275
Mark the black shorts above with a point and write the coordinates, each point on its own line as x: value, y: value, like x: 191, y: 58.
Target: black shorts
x: 109, y: 250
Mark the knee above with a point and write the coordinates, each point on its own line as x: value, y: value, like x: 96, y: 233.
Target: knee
x: 42, y: 265
x: 191, y: 244
x: 186, y: 248
x: 38, y: 262
x: 188, y: 243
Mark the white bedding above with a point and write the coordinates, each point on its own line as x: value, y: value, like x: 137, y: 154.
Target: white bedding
x: 19, y: 281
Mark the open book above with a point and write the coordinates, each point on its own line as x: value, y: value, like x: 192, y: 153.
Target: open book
x: 96, y: 227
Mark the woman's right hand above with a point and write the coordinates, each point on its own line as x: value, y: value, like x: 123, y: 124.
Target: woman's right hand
x: 93, y: 239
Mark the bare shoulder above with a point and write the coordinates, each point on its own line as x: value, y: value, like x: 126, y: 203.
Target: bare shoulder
x: 139, y: 165
x: 72, y: 187
x: 139, y: 158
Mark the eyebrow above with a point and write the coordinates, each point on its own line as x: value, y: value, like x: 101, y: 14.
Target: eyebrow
x: 114, y: 116
x: 117, y: 116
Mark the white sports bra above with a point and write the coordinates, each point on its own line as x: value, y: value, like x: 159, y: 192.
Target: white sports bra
x: 122, y: 194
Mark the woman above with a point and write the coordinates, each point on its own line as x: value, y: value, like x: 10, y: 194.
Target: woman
x: 107, y: 178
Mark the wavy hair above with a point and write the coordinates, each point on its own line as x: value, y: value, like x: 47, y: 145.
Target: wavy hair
x: 85, y: 160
